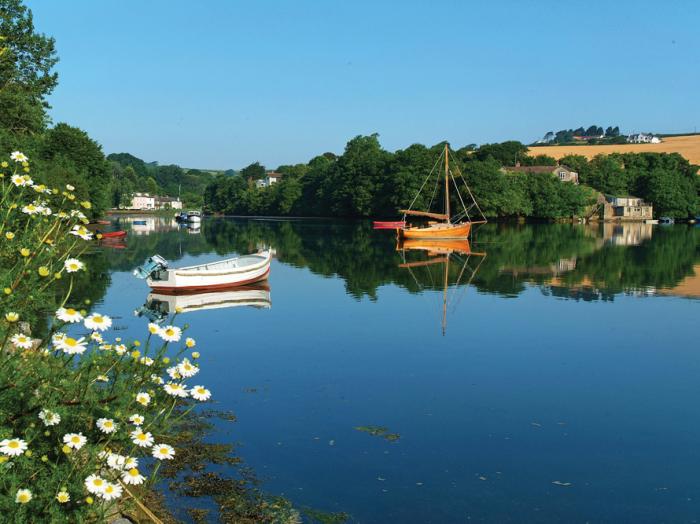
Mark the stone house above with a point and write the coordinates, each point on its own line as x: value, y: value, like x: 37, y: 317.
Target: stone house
x: 563, y: 173
x: 626, y: 208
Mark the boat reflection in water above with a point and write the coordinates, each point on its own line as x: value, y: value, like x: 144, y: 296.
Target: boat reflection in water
x: 159, y: 306
x: 453, y: 255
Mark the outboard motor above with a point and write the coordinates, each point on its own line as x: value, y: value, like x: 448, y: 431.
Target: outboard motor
x: 151, y: 267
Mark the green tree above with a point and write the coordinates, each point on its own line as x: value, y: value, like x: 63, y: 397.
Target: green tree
x: 75, y: 146
x: 26, y: 76
x: 253, y: 171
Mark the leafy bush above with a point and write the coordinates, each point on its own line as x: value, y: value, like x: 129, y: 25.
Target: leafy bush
x: 85, y: 420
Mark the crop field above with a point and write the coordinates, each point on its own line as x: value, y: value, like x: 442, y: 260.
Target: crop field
x: 688, y: 146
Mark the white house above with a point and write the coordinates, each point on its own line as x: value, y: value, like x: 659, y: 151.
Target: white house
x: 143, y: 201
x: 270, y: 178
x: 643, y: 138
x: 146, y: 201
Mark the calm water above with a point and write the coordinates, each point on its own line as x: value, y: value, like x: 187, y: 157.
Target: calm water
x: 565, y: 388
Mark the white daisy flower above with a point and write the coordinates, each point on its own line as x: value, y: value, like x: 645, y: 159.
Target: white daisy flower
x: 153, y: 329
x: 157, y: 380
x: 116, y: 461
x: 137, y: 419
x: 98, y: 322
x: 70, y: 187
x: 120, y: 349
x: 131, y: 462
x: 187, y: 369
x: 102, y: 378
x: 95, y: 484
x: 141, y: 439
x: 170, y: 333
x: 31, y: 209
x: 62, y: 497
x: 111, y: 491
x: 21, y: 341
x: 49, y: 418
x: 14, y: 447
x: 143, y: 398
x: 176, y: 390
x: 69, y: 315
x: 23, y: 496
x: 146, y: 361
x: 173, y: 372
x: 74, y: 440
x: 96, y: 337
x: 19, y: 158
x: 19, y: 180
x: 133, y: 477
x: 73, y: 264
x: 190, y: 342
x: 71, y: 346
x: 163, y: 452
x: 106, y: 425
x: 200, y: 393
x: 82, y: 232
x: 56, y: 338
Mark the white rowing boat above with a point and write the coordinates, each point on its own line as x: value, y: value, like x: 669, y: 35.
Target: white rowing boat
x: 232, y: 272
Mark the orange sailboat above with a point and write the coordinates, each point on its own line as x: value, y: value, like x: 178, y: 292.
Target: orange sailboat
x: 443, y: 225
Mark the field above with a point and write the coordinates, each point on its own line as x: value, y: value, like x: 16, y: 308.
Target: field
x: 688, y: 146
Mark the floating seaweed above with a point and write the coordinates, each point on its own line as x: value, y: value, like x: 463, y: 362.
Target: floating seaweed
x: 379, y: 431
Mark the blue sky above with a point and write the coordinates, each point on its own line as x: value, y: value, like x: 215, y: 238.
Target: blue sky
x: 223, y: 83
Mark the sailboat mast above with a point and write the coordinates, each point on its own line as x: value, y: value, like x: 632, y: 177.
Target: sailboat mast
x: 444, y: 295
x: 447, y: 184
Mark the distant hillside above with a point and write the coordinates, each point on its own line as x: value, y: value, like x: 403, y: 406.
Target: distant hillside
x: 134, y: 174
x: 687, y: 145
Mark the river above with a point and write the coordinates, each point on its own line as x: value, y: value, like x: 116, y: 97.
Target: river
x: 548, y: 373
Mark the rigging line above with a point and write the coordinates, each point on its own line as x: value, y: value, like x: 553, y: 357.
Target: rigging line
x: 423, y: 185
x: 470, y: 192
x: 459, y: 194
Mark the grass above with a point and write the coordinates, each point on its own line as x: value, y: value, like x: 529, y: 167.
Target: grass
x: 687, y: 145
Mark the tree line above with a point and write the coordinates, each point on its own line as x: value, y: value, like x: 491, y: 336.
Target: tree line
x: 368, y: 181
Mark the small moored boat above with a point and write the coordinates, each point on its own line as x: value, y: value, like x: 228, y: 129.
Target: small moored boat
x: 194, y: 216
x: 388, y: 224
x: 113, y: 234
x: 232, y: 272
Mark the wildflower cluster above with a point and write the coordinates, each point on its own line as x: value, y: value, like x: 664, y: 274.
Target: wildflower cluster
x: 85, y: 419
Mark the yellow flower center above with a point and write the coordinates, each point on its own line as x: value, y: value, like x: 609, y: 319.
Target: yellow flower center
x: 13, y: 444
x: 75, y: 439
x: 70, y: 311
x: 97, y: 482
x: 169, y: 332
x: 164, y: 451
x: 23, y: 497
x: 133, y: 472
x: 98, y: 319
x: 70, y: 342
x: 141, y: 436
x: 200, y: 391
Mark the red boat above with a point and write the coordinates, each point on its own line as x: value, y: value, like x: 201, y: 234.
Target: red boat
x: 379, y: 224
x: 114, y: 234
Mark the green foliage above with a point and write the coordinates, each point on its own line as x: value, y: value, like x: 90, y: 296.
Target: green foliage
x: 66, y: 399
x: 254, y: 171
x: 368, y: 181
x: 506, y: 153
x: 26, y: 76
